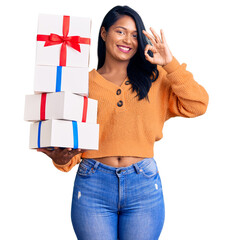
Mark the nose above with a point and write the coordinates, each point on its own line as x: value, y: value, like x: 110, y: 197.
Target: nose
x: 127, y: 38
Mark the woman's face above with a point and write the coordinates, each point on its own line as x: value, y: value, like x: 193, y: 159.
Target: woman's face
x: 121, y: 39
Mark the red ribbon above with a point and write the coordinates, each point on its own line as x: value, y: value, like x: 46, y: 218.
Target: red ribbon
x: 42, y: 106
x: 72, y: 41
x: 85, y: 109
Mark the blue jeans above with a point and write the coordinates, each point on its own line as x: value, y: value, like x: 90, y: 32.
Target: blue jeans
x: 124, y: 203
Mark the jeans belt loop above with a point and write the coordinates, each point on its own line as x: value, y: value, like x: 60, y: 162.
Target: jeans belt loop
x: 96, y: 165
x: 136, y: 167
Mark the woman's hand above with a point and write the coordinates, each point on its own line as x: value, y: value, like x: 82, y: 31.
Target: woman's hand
x: 161, y: 53
x: 60, y: 156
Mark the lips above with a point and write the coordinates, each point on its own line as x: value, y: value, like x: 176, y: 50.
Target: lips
x: 123, y: 48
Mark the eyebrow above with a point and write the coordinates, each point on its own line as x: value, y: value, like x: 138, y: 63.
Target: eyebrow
x: 124, y: 28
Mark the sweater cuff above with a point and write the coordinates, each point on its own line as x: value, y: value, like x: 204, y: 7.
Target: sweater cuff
x: 171, y: 66
x: 64, y: 165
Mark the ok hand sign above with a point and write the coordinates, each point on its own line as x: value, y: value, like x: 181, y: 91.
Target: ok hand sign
x: 161, y: 53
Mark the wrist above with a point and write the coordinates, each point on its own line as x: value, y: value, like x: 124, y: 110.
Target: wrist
x: 62, y: 161
x: 171, y: 66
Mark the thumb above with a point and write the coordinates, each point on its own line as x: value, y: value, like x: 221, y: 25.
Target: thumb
x: 47, y: 152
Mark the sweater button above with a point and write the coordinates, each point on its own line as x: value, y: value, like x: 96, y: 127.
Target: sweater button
x: 118, y: 92
x: 127, y: 82
x: 120, y: 103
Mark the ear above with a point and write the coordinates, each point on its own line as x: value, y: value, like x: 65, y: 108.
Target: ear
x: 103, y: 33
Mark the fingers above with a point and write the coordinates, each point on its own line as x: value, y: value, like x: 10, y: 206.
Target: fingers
x: 155, y: 35
x: 64, y: 151
x: 46, y: 151
x: 42, y: 150
x: 151, y: 48
x: 152, y: 39
x: 155, y: 38
x: 71, y: 151
x: 76, y: 151
x: 147, y: 56
x: 162, y: 36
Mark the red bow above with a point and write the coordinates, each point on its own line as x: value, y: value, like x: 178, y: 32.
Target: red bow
x: 72, y: 41
x: 54, y: 39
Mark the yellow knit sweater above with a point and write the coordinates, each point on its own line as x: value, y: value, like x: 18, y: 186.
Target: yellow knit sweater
x: 129, y: 127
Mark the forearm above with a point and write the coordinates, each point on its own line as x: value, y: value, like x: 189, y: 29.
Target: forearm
x: 186, y: 97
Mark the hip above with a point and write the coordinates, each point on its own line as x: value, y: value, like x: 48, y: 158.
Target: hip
x: 123, y: 184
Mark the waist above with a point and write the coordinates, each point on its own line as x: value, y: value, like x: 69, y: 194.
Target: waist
x: 93, y: 163
x: 118, y: 161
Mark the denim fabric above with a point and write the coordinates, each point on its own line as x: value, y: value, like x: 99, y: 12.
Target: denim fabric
x: 123, y: 203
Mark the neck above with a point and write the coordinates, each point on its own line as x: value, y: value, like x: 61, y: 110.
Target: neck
x: 113, y: 66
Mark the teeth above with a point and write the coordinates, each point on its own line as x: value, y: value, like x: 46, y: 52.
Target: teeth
x: 124, y: 48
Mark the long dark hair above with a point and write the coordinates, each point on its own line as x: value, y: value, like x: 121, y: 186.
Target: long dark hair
x: 141, y: 73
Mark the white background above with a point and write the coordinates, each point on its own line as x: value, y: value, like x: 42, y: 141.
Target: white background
x: 194, y: 157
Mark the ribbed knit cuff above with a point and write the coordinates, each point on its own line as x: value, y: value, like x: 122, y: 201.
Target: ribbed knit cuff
x: 171, y: 66
x: 64, y: 165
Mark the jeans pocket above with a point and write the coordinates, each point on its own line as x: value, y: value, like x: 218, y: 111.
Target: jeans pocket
x: 150, y: 170
x: 85, y: 169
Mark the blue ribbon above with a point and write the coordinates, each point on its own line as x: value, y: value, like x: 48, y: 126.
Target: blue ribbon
x: 38, y: 138
x: 75, y: 134
x: 58, y: 78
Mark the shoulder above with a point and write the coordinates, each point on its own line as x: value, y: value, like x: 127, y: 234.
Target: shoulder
x: 161, y: 74
x: 161, y: 84
x: 92, y: 73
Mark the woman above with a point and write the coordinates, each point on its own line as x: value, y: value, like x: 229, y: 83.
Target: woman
x: 139, y: 85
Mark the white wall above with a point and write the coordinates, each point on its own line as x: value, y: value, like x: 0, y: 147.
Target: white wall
x: 194, y: 157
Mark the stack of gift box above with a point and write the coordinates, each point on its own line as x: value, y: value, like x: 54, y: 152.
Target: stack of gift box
x: 61, y: 113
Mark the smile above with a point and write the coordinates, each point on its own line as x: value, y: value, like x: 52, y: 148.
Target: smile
x: 123, y: 48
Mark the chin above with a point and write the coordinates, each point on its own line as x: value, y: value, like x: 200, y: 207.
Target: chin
x: 126, y: 58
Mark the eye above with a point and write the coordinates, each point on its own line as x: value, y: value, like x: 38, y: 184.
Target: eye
x: 135, y: 35
x: 120, y: 32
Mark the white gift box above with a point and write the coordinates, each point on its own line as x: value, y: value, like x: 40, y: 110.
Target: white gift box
x: 62, y: 133
x: 60, y: 105
x: 55, y: 24
x: 57, y: 78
